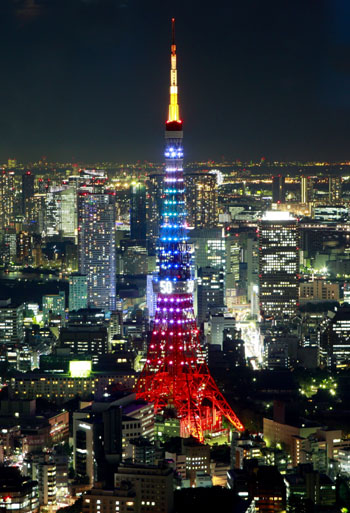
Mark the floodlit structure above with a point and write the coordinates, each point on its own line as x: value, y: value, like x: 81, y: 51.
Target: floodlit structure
x: 175, y: 375
x: 278, y: 264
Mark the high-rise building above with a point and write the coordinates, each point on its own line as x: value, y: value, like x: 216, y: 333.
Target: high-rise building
x: 154, y: 195
x: 9, y: 246
x: 24, y: 246
x: 78, y: 291
x: 52, y: 215
x: 175, y: 374
x: 334, y: 189
x: 138, y: 222
x: 11, y: 322
x: 306, y: 189
x: 278, y: 264
x: 211, y: 248
x: 210, y: 292
x: 27, y: 192
x: 7, y: 198
x: 68, y: 212
x: 96, y: 246
x: 83, y: 447
x: 278, y: 189
x: 201, y: 199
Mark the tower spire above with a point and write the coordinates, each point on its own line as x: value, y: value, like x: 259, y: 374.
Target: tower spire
x: 173, y: 106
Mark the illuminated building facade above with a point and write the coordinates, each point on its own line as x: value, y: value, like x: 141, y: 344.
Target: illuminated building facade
x: 175, y: 374
x: 96, y: 247
x: 278, y: 264
x: 201, y: 199
x: 17, y: 492
x: 306, y: 189
x: 154, y: 195
x: 334, y: 189
x: 68, y: 212
x: 7, y: 198
x: 77, y: 291
x: 11, y: 323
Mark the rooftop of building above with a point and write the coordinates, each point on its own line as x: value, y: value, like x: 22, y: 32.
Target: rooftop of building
x: 11, y: 480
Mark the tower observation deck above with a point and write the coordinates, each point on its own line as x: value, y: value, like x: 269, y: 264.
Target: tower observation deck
x: 175, y: 375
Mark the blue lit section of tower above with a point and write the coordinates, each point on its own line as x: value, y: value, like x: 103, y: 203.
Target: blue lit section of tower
x: 174, y: 257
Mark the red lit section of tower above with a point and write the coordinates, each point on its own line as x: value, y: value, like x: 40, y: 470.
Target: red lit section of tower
x: 176, y: 375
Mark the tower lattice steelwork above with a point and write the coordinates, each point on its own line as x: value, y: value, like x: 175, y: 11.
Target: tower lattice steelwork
x: 175, y: 375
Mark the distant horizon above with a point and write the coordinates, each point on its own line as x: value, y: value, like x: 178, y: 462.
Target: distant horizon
x: 90, y: 79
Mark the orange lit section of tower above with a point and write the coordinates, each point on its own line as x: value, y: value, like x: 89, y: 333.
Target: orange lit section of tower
x: 173, y: 106
x: 176, y: 375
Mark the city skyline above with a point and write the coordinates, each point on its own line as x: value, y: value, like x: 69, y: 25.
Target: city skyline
x: 273, y: 82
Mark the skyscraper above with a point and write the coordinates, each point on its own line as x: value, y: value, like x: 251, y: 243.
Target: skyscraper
x: 278, y: 192
x: 7, y: 198
x: 27, y: 191
x: 306, y: 189
x: 138, y: 211
x: 96, y: 246
x: 77, y: 291
x: 278, y: 264
x: 201, y: 199
x: 175, y: 374
x: 334, y: 189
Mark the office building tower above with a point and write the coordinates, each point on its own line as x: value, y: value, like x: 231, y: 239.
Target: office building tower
x: 68, y: 212
x: 138, y: 222
x: 9, y: 246
x: 334, y: 189
x: 175, y: 374
x: 27, y: 192
x: 77, y: 291
x: 54, y: 305
x: 155, y: 187
x: 96, y: 247
x: 278, y: 189
x: 306, y: 189
x: 46, y: 477
x: 83, y: 447
x: 210, y: 292
x: 24, y: 247
x: 252, y: 258
x: 211, y: 248
x: 278, y: 264
x: 7, y: 198
x: 52, y: 212
x: 11, y: 322
x: 85, y: 340
x: 201, y: 199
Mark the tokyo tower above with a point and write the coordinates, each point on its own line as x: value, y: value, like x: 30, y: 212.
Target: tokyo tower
x: 175, y: 374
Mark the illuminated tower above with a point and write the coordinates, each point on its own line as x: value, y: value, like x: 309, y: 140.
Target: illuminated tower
x: 175, y: 375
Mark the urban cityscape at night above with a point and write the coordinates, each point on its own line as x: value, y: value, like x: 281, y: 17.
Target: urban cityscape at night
x: 174, y: 288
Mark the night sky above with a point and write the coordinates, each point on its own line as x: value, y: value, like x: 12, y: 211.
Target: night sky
x: 88, y: 79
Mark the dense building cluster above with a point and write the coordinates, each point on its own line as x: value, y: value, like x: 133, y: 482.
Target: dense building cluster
x: 140, y: 308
